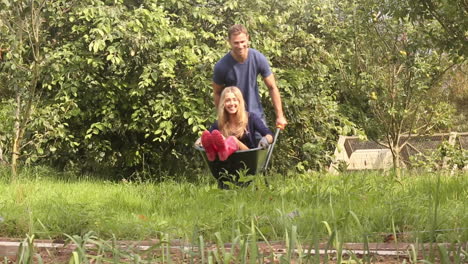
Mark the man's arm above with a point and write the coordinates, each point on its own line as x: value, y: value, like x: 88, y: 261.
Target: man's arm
x: 276, y: 99
x: 217, y: 89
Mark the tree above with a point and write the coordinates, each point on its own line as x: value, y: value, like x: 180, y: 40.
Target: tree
x: 398, y: 69
x: 21, y: 23
x: 449, y: 16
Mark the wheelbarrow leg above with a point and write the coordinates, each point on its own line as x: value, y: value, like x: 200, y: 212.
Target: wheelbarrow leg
x: 270, y: 151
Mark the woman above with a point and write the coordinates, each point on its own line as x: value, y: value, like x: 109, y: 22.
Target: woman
x: 235, y: 128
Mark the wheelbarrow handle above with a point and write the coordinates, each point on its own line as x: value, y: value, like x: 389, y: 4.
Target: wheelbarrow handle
x: 272, y: 146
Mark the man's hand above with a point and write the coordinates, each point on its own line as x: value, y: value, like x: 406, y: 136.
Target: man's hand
x: 281, y: 122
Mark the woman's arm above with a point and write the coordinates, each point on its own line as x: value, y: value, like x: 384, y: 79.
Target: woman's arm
x: 260, y: 127
x: 241, y: 145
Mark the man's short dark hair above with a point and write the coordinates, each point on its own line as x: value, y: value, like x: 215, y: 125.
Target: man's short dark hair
x: 236, y: 30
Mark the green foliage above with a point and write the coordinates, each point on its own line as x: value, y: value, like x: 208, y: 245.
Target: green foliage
x: 128, y: 87
x: 113, y: 97
x: 6, y: 127
x: 390, y: 75
x: 125, y: 85
x: 290, y: 34
x: 448, y: 19
x: 447, y: 156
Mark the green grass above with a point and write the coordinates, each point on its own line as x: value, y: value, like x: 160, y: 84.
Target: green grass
x: 355, y: 206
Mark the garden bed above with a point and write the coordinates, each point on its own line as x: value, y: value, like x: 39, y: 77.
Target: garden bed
x: 180, y: 252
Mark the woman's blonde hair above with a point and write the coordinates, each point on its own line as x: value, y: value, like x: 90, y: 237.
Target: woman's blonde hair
x: 225, y: 125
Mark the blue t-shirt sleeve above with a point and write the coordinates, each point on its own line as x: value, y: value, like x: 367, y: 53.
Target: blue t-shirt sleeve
x: 218, y: 74
x: 263, y: 65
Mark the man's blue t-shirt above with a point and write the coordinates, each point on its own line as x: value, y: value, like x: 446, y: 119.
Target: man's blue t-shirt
x: 229, y: 72
x: 255, y: 125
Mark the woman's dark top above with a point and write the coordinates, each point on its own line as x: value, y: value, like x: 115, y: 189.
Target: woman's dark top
x: 254, y: 125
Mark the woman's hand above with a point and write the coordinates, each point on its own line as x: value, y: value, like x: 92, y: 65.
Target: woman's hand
x: 198, y: 143
x: 263, y: 143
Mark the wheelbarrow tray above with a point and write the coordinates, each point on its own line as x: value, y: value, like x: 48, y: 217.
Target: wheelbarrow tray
x: 251, y: 162
x: 245, y: 162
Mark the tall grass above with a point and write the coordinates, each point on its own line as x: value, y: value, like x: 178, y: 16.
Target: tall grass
x: 244, y: 248
x: 357, y: 207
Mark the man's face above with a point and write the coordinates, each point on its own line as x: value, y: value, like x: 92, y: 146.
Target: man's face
x: 239, y: 44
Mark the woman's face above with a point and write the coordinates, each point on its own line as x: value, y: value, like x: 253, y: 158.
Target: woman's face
x: 231, y: 103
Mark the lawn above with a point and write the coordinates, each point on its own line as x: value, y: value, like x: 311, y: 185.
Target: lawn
x: 426, y: 207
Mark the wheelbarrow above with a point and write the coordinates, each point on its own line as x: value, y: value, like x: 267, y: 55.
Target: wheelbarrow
x: 247, y: 162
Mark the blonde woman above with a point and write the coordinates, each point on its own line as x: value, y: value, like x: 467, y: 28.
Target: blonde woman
x: 235, y: 128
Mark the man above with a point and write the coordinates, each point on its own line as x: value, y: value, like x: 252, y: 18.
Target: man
x: 240, y: 67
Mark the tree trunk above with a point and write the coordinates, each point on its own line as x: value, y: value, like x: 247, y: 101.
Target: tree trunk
x: 18, y: 131
x: 23, y: 114
x: 396, y: 161
x: 1, y: 156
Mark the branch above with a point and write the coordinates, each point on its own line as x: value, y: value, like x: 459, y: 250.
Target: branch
x: 389, y: 140
x: 382, y: 144
x: 442, y: 73
x: 405, y: 141
x: 413, y: 116
x: 433, y: 12
x: 24, y: 145
x: 380, y: 37
x: 427, y: 127
x: 1, y: 154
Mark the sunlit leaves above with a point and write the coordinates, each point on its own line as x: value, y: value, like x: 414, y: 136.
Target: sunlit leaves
x: 131, y: 79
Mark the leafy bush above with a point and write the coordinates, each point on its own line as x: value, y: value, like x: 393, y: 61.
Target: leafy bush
x: 126, y: 89
x: 6, y: 126
x: 447, y: 156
